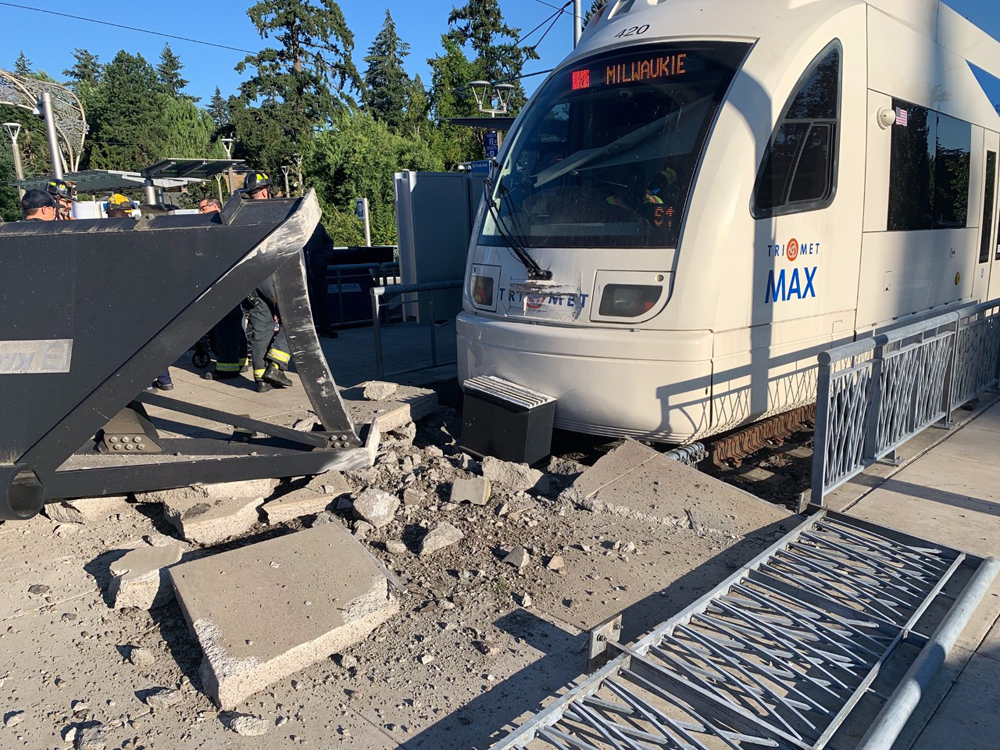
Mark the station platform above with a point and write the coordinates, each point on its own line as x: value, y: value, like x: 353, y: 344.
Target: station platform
x: 947, y: 490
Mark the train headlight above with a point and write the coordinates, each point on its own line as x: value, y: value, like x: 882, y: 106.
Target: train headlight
x: 482, y: 291
x: 628, y: 300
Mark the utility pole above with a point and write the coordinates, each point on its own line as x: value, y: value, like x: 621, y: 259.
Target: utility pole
x: 362, y: 208
x: 14, y: 130
x: 227, y: 143
x: 577, y: 21
x: 45, y: 104
x: 284, y: 171
x: 298, y: 172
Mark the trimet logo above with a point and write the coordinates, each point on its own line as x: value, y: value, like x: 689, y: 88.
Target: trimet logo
x: 792, y: 249
x: 793, y: 283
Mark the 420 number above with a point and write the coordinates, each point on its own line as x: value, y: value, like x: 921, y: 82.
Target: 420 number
x: 632, y: 31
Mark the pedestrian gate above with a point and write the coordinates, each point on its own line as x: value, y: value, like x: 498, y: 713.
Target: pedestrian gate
x: 779, y: 654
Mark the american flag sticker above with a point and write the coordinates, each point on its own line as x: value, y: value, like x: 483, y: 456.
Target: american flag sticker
x: 902, y: 117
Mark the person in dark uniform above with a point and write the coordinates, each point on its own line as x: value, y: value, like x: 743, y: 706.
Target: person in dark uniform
x: 38, y: 205
x: 62, y: 193
x: 268, y: 347
x: 228, y: 338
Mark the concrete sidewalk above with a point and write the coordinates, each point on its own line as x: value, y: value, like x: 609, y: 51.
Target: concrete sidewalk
x: 950, y: 494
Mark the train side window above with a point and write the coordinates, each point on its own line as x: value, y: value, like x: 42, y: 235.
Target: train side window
x: 799, y: 172
x: 988, y: 203
x: 928, y: 170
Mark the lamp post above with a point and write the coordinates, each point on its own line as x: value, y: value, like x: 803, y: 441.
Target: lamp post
x: 227, y: 143
x: 45, y: 106
x: 14, y: 130
x: 492, y: 99
x: 218, y: 183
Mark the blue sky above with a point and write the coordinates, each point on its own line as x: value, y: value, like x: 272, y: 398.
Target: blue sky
x: 49, y: 41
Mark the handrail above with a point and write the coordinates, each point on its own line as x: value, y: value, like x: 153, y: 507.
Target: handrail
x: 379, y: 292
x: 875, y: 394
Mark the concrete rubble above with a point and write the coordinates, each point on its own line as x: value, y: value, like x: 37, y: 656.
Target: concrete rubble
x: 376, y: 507
x: 139, y: 579
x: 475, y: 491
x: 325, y: 592
x: 504, y: 567
x: 378, y: 390
x: 86, y: 510
x: 439, y: 536
x: 517, y: 477
x: 313, y: 498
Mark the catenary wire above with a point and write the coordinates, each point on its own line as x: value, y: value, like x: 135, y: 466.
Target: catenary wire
x: 128, y: 28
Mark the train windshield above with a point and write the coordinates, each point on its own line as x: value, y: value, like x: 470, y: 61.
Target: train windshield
x: 607, y: 152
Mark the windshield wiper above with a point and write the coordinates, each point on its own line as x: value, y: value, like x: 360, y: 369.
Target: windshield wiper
x: 535, y: 271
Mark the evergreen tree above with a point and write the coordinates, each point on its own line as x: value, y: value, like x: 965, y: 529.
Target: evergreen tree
x: 86, y: 71
x: 417, y: 107
x: 302, y: 80
x: 22, y: 65
x: 595, y: 6
x: 135, y: 122
x: 168, y: 73
x: 218, y: 109
x: 480, y: 24
x: 386, y: 83
x: 451, y: 97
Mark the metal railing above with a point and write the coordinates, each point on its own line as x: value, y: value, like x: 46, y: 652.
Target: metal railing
x: 874, y: 395
x: 397, y: 290
x: 779, y: 654
x: 382, y: 274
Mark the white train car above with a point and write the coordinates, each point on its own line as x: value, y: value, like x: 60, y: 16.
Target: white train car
x: 706, y: 193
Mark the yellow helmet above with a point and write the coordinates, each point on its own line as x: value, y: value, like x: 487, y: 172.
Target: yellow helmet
x: 117, y: 200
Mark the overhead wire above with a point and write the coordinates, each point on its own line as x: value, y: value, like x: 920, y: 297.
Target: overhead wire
x: 128, y: 28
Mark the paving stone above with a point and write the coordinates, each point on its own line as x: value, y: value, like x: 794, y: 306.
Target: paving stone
x: 513, y: 476
x: 475, y: 491
x: 379, y: 390
x: 138, y: 579
x: 376, y: 507
x: 325, y: 590
x: 261, y: 488
x: 207, y: 520
x: 308, y: 500
x: 439, y: 536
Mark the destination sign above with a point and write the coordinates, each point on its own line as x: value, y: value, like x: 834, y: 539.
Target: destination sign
x: 648, y: 66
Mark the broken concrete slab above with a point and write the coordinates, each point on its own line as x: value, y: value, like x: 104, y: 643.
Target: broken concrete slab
x: 640, y: 482
x: 439, y: 536
x: 376, y: 507
x: 207, y: 520
x: 408, y: 404
x: 261, y: 488
x: 514, y: 476
x: 475, y: 491
x: 380, y: 390
x: 315, y: 497
x: 518, y: 557
x: 85, y: 510
x: 265, y: 611
x: 139, y: 578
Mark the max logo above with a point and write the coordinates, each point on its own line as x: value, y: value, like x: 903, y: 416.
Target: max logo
x: 795, y: 286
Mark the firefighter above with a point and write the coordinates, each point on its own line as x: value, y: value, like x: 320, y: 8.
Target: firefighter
x: 62, y: 193
x: 229, y: 340
x: 268, y: 348
x: 117, y: 200
x: 38, y: 205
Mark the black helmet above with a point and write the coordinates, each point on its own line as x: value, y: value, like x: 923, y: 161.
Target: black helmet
x: 58, y: 188
x: 255, y: 181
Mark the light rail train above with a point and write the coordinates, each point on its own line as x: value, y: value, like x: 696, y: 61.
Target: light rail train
x: 707, y: 193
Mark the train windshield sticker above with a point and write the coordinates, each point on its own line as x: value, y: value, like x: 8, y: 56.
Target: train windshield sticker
x: 789, y: 280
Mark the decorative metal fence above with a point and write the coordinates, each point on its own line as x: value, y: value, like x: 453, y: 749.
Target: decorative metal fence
x: 874, y: 395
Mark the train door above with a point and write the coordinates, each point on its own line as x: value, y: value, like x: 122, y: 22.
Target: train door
x: 987, y: 282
